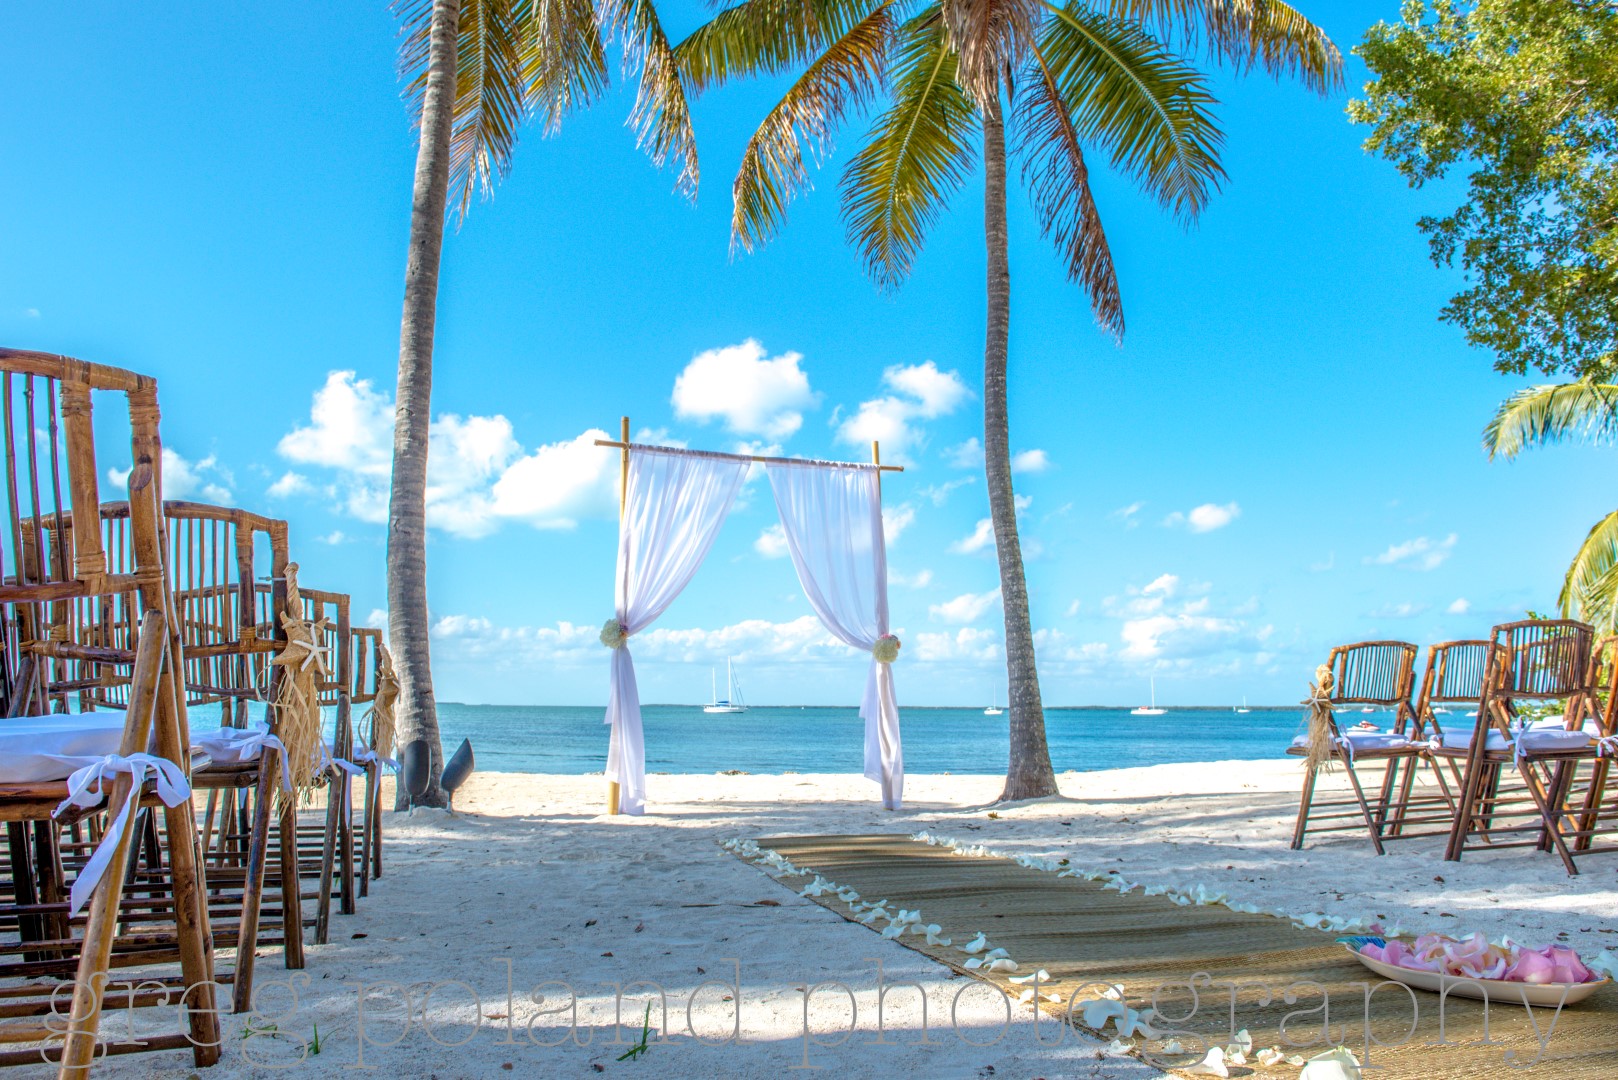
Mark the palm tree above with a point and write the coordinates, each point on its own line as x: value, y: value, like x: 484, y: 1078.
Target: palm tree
x: 477, y: 71
x: 1540, y: 415
x: 1080, y: 76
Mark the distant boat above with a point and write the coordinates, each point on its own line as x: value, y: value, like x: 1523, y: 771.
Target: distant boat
x: 994, y: 708
x: 1441, y: 711
x: 734, y: 702
x: 1244, y: 708
x: 1151, y: 710
x: 1370, y: 708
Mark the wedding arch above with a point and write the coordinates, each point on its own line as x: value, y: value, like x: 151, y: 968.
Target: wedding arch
x: 671, y: 504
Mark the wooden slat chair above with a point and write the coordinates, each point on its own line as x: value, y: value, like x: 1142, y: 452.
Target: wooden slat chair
x: 49, y: 447
x: 216, y: 554
x: 369, y: 676
x: 330, y: 610
x: 1535, y: 661
x: 1368, y: 673
x: 1453, y: 676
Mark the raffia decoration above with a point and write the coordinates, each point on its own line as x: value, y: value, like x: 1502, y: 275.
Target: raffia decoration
x: 297, y: 702
x: 383, y: 724
x: 1320, y: 736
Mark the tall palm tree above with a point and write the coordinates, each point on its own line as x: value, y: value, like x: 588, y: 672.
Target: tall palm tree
x: 1080, y: 76
x: 477, y: 71
x: 1540, y: 415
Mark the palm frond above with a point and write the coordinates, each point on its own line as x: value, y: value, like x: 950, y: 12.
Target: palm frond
x: 564, y: 63
x: 1267, y: 34
x: 1124, y: 91
x: 490, y: 99
x: 764, y: 37
x: 917, y: 154
x: 1544, y: 414
x: 1059, y: 182
x: 662, y: 115
x: 1590, y: 590
x: 845, y: 77
x: 989, y: 37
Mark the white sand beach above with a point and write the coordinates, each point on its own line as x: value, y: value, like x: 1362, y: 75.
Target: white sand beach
x: 527, y: 877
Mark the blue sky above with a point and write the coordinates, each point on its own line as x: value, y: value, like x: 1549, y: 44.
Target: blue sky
x: 1282, y: 455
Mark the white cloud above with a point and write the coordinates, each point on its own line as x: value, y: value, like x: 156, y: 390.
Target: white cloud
x: 204, y: 480
x: 1205, y: 518
x: 1030, y: 461
x: 1073, y: 608
x: 1459, y: 606
x: 477, y: 472
x: 752, y: 394
x: 939, y: 493
x: 1128, y: 514
x: 1167, y: 584
x: 966, y: 455
x: 920, y: 392
x: 966, y: 608
x: 982, y: 537
x: 969, y: 643
x: 335, y: 537
x: 919, y: 580
x: 772, y: 542
x: 377, y: 619
x: 895, y: 520
x: 1398, y: 611
x: 30, y: 313
x: 290, y: 483
x: 1421, y: 553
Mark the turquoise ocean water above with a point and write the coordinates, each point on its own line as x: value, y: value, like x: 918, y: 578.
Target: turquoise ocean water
x: 765, y: 739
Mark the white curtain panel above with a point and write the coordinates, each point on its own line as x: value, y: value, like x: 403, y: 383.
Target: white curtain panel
x: 676, y: 503
x: 833, y: 521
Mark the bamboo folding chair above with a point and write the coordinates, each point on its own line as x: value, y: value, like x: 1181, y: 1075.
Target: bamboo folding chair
x: 1368, y: 673
x: 1536, y: 661
x: 369, y: 677
x: 330, y: 611
x: 1453, y: 676
x: 214, y: 555
x: 49, y: 441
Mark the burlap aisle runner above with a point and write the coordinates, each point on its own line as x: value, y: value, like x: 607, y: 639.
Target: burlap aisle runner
x: 1082, y: 933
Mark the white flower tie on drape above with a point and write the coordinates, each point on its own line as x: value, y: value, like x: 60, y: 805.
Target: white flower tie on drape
x: 832, y: 516
x: 673, y: 509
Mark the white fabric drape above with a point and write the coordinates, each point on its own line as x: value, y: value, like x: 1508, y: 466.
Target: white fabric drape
x: 674, y: 507
x: 833, y: 522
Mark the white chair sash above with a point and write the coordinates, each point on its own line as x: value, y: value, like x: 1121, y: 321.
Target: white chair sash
x: 89, y: 787
x: 365, y: 755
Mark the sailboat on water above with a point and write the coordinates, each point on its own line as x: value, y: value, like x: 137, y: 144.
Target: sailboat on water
x: 994, y: 708
x: 1244, y: 708
x: 1151, y: 710
x: 733, y: 702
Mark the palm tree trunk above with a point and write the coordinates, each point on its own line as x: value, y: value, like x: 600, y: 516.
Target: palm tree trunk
x: 407, y: 504
x: 1028, y: 773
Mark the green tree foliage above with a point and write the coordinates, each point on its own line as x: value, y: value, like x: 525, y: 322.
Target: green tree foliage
x: 1521, y: 94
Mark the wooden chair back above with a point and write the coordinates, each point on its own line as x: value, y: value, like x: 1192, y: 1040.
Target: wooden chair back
x: 367, y: 663
x: 1454, y: 676
x: 1375, y: 673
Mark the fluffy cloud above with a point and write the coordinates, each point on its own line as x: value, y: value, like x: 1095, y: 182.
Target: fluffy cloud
x: 1398, y: 611
x: 751, y: 394
x: 1129, y: 515
x: 919, y: 580
x: 966, y: 608
x: 1459, y: 606
x: 966, y: 455
x: 938, y: 494
x: 205, y: 480
x: 477, y: 472
x: 969, y: 643
x: 772, y: 542
x: 1205, y: 518
x: 1030, y: 461
x: 895, y: 520
x: 290, y: 483
x: 982, y: 537
x: 919, y: 392
x: 1421, y: 553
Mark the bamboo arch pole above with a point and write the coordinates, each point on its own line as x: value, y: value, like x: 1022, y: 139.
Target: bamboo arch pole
x: 623, y: 501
